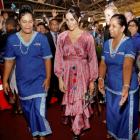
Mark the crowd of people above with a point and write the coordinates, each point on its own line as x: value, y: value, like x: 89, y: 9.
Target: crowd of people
x: 38, y: 62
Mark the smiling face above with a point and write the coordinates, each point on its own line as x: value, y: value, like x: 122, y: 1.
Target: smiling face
x: 41, y: 28
x: 71, y: 22
x: 26, y: 23
x: 115, y: 28
x: 133, y: 28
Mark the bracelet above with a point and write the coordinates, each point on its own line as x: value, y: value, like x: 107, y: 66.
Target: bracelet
x: 126, y: 85
x: 100, y: 78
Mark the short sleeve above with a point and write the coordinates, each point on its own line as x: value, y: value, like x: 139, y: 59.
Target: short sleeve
x: 46, y: 51
x: 9, y: 52
x: 130, y: 50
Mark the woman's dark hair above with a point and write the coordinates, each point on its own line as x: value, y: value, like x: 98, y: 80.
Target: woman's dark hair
x: 121, y: 20
x: 75, y: 11
x: 41, y: 23
x: 136, y: 22
x: 24, y: 10
x: 11, y: 21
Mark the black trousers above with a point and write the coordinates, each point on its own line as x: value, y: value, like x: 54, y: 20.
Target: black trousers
x: 54, y: 90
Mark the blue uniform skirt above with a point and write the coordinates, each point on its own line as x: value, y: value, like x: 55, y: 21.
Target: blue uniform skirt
x: 35, y: 111
x: 122, y: 122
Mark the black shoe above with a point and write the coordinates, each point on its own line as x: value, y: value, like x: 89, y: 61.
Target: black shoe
x: 76, y: 137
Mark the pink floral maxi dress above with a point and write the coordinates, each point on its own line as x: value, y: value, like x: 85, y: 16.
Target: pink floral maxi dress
x: 77, y: 64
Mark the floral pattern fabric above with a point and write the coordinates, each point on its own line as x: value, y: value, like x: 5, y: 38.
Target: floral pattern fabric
x: 77, y: 64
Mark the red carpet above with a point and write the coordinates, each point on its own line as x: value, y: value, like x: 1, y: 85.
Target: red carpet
x: 13, y: 127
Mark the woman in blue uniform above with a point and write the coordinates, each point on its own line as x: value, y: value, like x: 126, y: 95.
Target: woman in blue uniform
x: 121, y: 85
x: 134, y: 29
x: 30, y: 51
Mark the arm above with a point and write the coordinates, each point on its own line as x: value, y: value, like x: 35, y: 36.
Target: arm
x: 102, y: 69
x: 130, y: 53
x: 1, y: 25
x: 8, y: 65
x: 48, y: 68
x: 62, y: 22
x: 93, y: 64
x: 102, y: 72
x: 127, y: 72
x: 46, y: 19
x: 92, y: 60
x: 58, y: 61
x: 58, y: 65
x: 62, y: 86
x: 54, y: 14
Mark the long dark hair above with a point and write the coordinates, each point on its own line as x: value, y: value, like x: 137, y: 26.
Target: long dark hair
x: 75, y: 11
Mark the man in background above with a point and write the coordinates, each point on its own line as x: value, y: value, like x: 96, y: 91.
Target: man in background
x: 52, y: 39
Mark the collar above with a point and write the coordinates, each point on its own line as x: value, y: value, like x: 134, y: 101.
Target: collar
x: 53, y: 33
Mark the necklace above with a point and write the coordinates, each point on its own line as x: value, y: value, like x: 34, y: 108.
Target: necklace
x: 24, y: 50
x: 114, y: 51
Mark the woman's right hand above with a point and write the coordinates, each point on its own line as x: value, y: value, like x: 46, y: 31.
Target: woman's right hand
x: 62, y: 86
x: 6, y: 87
x: 101, y: 86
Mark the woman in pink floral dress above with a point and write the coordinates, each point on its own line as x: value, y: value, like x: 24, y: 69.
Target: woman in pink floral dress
x: 76, y: 68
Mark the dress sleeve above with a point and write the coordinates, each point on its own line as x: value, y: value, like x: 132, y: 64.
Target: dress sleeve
x: 46, y: 51
x: 130, y: 50
x: 9, y: 52
x: 92, y: 59
x: 58, y: 61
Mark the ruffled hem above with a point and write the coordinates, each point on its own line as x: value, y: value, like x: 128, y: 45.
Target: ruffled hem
x: 79, y: 114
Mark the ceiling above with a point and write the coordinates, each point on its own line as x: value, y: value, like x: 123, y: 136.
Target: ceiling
x: 88, y: 7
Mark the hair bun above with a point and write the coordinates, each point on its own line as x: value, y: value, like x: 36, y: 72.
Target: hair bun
x: 26, y: 8
x: 75, y: 11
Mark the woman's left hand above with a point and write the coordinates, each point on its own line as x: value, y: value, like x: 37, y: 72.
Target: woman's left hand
x: 91, y: 87
x: 46, y: 84
x: 124, y: 96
